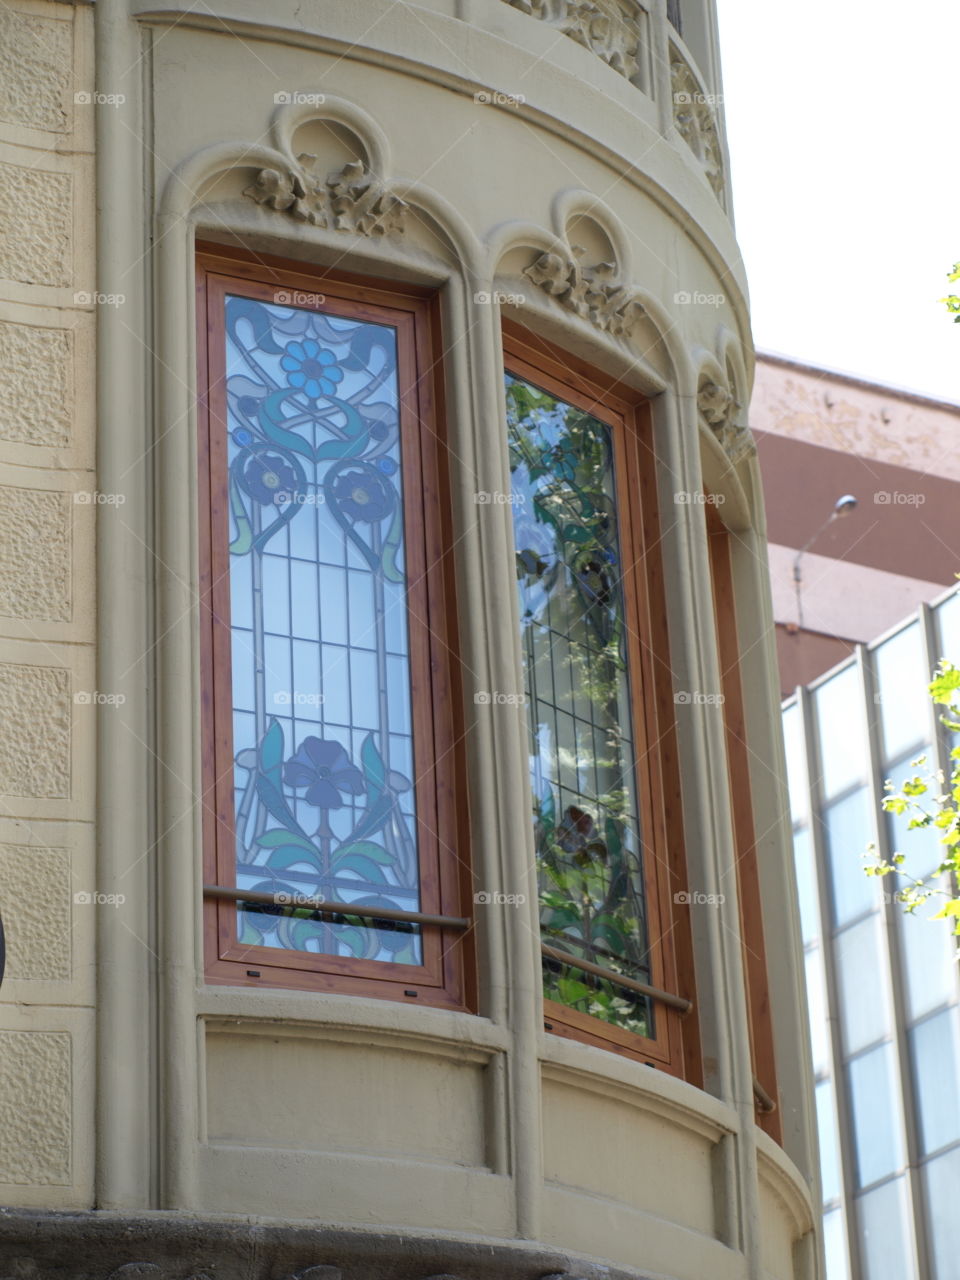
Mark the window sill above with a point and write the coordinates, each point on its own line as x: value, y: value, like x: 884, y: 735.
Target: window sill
x: 330, y: 1016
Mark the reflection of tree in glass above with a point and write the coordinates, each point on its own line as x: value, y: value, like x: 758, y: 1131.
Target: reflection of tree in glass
x: 572, y: 618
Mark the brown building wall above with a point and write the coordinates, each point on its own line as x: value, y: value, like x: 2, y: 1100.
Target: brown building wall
x: 821, y: 435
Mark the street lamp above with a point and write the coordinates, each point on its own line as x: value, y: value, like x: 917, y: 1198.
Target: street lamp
x: 842, y: 507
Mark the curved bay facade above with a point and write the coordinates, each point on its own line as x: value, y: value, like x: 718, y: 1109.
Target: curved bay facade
x: 389, y: 362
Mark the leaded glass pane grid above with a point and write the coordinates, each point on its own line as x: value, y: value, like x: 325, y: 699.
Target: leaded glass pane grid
x: 577, y: 686
x: 323, y: 749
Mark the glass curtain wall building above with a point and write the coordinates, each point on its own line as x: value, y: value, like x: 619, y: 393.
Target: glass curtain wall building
x: 882, y: 985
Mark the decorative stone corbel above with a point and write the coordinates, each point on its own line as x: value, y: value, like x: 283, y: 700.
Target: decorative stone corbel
x: 718, y: 407
x: 611, y: 29
x: 594, y: 293
x: 696, y: 122
x: 349, y: 199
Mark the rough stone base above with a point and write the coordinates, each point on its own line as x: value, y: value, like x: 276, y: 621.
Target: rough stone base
x: 109, y: 1246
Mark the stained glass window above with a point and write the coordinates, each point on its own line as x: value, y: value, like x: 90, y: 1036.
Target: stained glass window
x: 324, y: 622
x: 323, y: 753
x: 573, y: 620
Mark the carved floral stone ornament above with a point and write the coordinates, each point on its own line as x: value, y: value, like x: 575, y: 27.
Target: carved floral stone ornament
x: 718, y: 407
x: 593, y: 293
x: 608, y: 28
x: 349, y: 199
x: 694, y: 116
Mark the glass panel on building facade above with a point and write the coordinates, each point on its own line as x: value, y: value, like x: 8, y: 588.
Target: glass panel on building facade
x: 860, y: 957
x: 835, y: 1246
x: 948, y: 629
x: 797, y: 783
x: 816, y: 1000
x: 806, y: 884
x: 929, y: 978
x: 847, y: 830
x: 885, y: 1236
x: 830, y: 1173
x: 902, y: 680
x: 933, y: 1045
x: 323, y: 749
x: 577, y: 685
x: 871, y: 939
x: 841, y: 732
x: 942, y: 1183
x: 875, y: 1107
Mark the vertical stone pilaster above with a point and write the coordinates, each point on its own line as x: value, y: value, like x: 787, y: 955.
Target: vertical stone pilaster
x: 47, y: 692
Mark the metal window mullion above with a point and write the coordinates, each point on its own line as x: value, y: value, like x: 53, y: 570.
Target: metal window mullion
x: 939, y: 741
x: 940, y: 759
x: 824, y: 901
x: 870, y: 687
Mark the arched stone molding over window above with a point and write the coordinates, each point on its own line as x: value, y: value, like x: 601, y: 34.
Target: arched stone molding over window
x: 581, y: 277
x: 726, y: 445
x: 342, y: 185
x: 722, y: 409
x: 579, y: 274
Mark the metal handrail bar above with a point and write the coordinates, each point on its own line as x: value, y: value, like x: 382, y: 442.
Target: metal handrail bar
x: 296, y: 902
x: 764, y: 1102
x: 618, y: 979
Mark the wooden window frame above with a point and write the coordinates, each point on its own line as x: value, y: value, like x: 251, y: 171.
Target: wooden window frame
x: 676, y: 1046
x: 760, y: 1017
x: 447, y: 977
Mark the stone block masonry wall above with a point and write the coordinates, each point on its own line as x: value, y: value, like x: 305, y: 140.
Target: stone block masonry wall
x: 48, y: 696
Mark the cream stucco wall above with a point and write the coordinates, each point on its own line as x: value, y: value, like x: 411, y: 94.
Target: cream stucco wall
x: 305, y: 1106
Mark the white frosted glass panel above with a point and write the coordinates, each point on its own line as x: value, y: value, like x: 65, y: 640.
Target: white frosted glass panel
x: 806, y: 884
x: 816, y: 1002
x: 948, y: 625
x: 861, y: 964
x: 796, y: 764
x: 848, y: 829
x: 364, y: 702
x: 884, y: 1234
x: 276, y: 596
x: 876, y: 1115
x: 942, y: 1179
x: 829, y: 1144
x: 935, y: 1067
x: 333, y: 605
x: 304, y: 601
x: 902, y: 680
x: 835, y: 1246
x: 928, y: 965
x: 841, y: 732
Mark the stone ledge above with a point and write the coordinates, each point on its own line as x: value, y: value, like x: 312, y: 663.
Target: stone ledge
x: 110, y: 1246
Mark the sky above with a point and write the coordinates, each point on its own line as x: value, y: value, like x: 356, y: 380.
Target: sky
x: 842, y: 121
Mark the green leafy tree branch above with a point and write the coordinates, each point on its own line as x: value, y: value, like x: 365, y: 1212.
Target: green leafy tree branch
x: 932, y: 801
x: 952, y: 301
